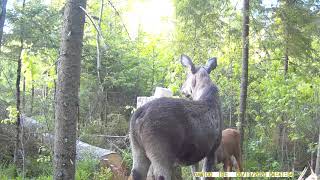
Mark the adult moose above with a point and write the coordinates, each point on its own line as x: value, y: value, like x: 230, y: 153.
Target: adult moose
x: 168, y: 130
x: 228, y: 152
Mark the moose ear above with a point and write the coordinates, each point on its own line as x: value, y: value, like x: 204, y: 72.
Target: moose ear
x: 211, y: 64
x: 187, y: 62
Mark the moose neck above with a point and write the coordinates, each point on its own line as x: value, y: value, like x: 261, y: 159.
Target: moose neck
x: 206, y: 92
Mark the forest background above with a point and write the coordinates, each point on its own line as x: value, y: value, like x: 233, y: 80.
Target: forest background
x: 139, y: 49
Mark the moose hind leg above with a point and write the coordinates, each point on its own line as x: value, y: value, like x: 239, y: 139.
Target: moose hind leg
x: 209, y: 164
x: 150, y: 173
x: 237, y: 159
x: 140, y: 162
x: 161, y: 162
x: 176, y: 174
x: 239, y: 165
x: 162, y: 169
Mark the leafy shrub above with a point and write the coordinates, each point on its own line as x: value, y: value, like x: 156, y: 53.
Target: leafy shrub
x: 186, y: 172
x: 117, y: 124
x: 7, y: 170
x: 85, y: 169
x: 127, y: 158
x: 36, y: 169
x: 104, y: 173
x: 45, y: 177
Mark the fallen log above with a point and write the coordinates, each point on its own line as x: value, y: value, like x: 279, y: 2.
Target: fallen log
x: 84, y: 150
x: 107, y: 158
x: 108, y: 136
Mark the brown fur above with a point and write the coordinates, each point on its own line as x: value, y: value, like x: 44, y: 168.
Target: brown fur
x: 230, y: 146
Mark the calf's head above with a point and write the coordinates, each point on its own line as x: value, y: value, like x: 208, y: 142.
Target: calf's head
x: 198, y: 77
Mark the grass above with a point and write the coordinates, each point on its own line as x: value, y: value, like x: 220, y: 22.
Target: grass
x: 85, y: 169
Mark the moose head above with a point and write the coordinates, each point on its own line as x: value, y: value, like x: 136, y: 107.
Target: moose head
x: 197, y: 77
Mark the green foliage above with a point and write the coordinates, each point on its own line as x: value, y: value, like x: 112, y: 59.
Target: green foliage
x: 134, y: 67
x: 88, y: 169
x: 104, y: 173
x: 127, y: 158
x: 44, y: 177
x: 7, y: 170
x: 85, y: 169
x: 117, y: 125
x: 45, y: 155
x: 12, y: 111
x: 36, y: 168
x: 186, y: 172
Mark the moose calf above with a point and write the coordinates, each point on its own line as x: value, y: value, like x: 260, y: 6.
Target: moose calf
x: 228, y: 150
x: 230, y: 146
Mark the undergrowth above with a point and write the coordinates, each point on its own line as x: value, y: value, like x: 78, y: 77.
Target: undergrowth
x: 85, y: 169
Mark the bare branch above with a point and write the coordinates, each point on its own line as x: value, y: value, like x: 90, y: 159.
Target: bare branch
x: 94, y: 24
x: 117, y: 12
x: 98, y: 45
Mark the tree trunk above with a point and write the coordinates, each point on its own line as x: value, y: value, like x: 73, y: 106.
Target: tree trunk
x: 281, y: 124
x: 2, y: 18
x: 32, y: 97
x: 281, y: 143
x: 244, y: 76
x: 18, y: 150
x: 55, y: 91
x: 102, y: 108
x: 231, y: 93
x: 18, y: 128
x: 67, y: 100
x: 24, y: 95
x: 312, y: 165
x: 285, y: 67
x: 286, y: 62
x: 286, y: 38
x: 317, y: 169
x: 153, y: 67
